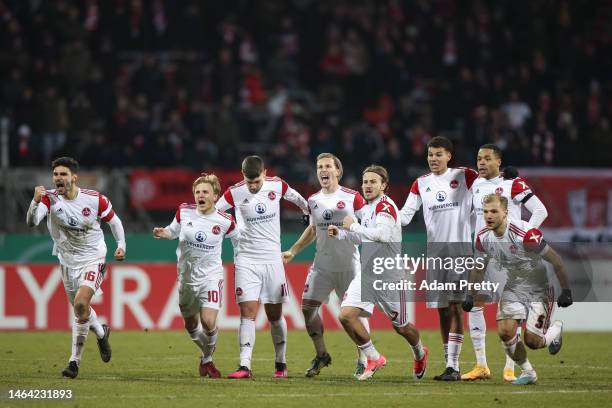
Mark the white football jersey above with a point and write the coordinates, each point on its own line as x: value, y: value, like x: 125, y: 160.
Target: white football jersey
x: 515, y: 190
x: 200, y: 241
x: 330, y: 209
x: 519, y: 251
x: 258, y: 216
x: 447, y: 204
x: 74, y: 225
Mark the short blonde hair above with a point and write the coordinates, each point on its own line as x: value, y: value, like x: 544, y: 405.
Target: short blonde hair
x: 490, y: 198
x: 210, y: 179
x: 336, y: 160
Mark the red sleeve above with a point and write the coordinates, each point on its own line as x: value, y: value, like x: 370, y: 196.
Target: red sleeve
x: 479, y: 246
x: 228, y: 197
x: 534, y: 241
x: 232, y: 226
x: 45, y: 200
x: 470, y: 176
x: 387, y: 208
x: 285, y: 186
x: 518, y: 186
x: 358, y: 202
x: 103, y: 205
x: 415, y: 187
x: 178, y: 214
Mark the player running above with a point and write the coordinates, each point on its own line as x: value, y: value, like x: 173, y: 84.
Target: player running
x: 260, y: 274
x: 520, y: 248
x: 381, y: 230
x: 200, y: 229
x: 446, y: 197
x: 73, y: 219
x: 336, y: 262
x: 518, y: 193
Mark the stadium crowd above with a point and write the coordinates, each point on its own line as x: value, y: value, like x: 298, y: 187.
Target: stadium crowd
x: 200, y: 83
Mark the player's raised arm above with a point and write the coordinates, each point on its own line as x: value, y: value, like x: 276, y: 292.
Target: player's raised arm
x: 226, y: 201
x: 171, y: 231
x: 294, y: 197
x: 521, y: 193
x: 386, y: 216
x: 108, y: 215
x: 412, y: 204
x: 308, y: 237
x: 36, y: 212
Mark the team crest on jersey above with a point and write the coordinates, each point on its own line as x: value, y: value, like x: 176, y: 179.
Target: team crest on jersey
x: 340, y: 205
x: 327, y: 215
x: 513, y: 249
x: 440, y: 196
x: 238, y: 291
x: 86, y: 212
x: 271, y: 195
x: 216, y: 230
x: 73, y: 221
x: 200, y: 236
x: 454, y: 184
x: 499, y: 190
x: 306, y: 286
x: 260, y: 208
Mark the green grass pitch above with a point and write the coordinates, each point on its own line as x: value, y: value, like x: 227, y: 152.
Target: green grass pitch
x: 160, y: 369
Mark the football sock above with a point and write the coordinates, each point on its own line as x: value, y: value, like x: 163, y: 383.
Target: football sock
x: 445, y: 352
x: 198, y: 337
x: 370, y: 351
x: 509, y: 360
x: 94, y: 323
x: 79, y: 336
x: 478, y: 331
x: 362, y: 358
x: 278, y: 329
x: 454, y: 350
x: 418, y: 350
x: 209, y: 345
x: 246, y: 336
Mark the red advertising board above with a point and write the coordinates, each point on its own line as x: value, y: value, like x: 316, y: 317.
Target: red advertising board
x: 138, y: 296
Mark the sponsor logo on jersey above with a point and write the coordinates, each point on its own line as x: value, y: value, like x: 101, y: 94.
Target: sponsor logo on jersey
x: 340, y: 205
x: 246, y: 201
x: 200, y: 236
x: 59, y: 210
x: 306, y: 286
x: 238, y: 291
x: 499, y: 190
x: 271, y: 195
x: 190, y: 224
x: 427, y: 190
x: 454, y: 184
x: 73, y: 221
x: 440, y: 196
x: 327, y: 215
x: 86, y: 212
x: 216, y: 230
x: 260, y: 208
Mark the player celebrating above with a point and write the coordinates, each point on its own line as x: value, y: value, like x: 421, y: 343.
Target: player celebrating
x: 446, y: 197
x: 336, y: 262
x: 518, y: 193
x: 200, y: 229
x: 519, y: 248
x: 381, y: 229
x: 73, y: 219
x: 260, y: 274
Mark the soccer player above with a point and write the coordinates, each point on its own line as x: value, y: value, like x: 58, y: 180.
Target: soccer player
x: 73, y: 219
x: 336, y: 262
x: 517, y: 192
x: 260, y: 274
x: 446, y: 197
x: 200, y: 229
x: 381, y: 229
x: 520, y: 248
